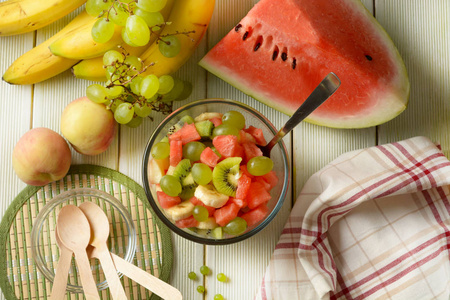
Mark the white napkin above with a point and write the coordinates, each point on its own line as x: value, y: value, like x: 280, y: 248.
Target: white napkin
x: 373, y: 224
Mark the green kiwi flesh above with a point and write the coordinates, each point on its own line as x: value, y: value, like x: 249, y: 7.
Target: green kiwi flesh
x: 226, y: 175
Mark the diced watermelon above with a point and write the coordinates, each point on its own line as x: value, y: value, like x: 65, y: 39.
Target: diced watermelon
x: 176, y: 152
x: 246, y: 137
x: 187, y: 222
x: 245, y: 171
x: 167, y: 201
x: 239, y: 202
x: 256, y: 215
x: 251, y: 150
x: 258, y: 134
x: 186, y: 134
x: 209, y: 157
x: 216, y: 121
x: 226, y: 213
x: 242, y: 186
x: 271, y: 178
x: 228, y: 146
x: 196, y: 202
x: 261, y: 180
x: 257, y: 195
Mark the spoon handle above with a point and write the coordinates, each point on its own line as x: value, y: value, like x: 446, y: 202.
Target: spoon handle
x: 61, y: 273
x: 87, y: 280
x: 321, y: 93
x: 114, y: 284
x: 147, y: 280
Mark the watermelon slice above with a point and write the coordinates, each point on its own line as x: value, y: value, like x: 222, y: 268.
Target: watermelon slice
x: 283, y: 48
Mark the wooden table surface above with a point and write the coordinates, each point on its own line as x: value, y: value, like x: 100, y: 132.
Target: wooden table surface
x: 421, y: 31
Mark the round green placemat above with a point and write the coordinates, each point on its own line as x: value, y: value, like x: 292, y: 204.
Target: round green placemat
x: 24, y: 281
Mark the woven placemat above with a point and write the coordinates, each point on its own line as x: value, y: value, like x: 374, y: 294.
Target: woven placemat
x: 19, y: 277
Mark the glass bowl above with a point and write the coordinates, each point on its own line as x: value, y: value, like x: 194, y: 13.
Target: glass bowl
x: 252, y: 117
x: 45, y: 252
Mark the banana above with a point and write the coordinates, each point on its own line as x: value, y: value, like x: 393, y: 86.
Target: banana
x: 186, y: 16
x: 92, y: 69
x: 39, y: 63
x: 21, y: 16
x: 180, y: 211
x: 210, y: 223
x: 210, y: 196
x: 207, y: 116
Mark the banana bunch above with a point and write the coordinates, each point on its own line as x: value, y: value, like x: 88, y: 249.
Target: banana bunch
x: 21, y: 16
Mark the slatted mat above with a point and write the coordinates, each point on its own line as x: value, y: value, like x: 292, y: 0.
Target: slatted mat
x: 24, y: 280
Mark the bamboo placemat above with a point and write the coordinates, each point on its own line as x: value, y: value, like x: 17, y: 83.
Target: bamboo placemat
x: 19, y: 276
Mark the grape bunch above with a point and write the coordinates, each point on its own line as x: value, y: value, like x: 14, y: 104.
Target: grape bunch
x: 132, y: 96
x: 138, y: 19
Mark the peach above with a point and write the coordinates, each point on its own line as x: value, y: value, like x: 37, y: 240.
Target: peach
x: 41, y: 156
x: 89, y: 127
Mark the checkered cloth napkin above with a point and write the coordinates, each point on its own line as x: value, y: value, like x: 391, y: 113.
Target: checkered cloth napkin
x: 373, y: 224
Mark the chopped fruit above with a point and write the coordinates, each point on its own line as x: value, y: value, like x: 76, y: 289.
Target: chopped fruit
x: 167, y: 201
x: 216, y: 121
x: 251, y: 150
x: 226, y: 213
x: 243, y: 186
x: 258, y: 134
x: 176, y: 152
x: 264, y: 183
x: 187, y: 222
x: 239, y: 202
x: 246, y: 137
x: 257, y: 195
x: 271, y: 178
x: 256, y: 215
x: 185, y: 134
x: 227, y: 145
x: 209, y: 157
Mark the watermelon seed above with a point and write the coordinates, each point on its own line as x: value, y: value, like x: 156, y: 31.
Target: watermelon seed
x: 245, y: 36
x: 259, y: 41
x: 284, y: 56
x: 275, y: 53
x: 238, y: 26
x: 294, y: 63
x: 369, y: 58
x: 257, y: 46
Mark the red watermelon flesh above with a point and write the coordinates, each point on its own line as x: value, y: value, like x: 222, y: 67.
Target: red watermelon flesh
x: 282, y: 49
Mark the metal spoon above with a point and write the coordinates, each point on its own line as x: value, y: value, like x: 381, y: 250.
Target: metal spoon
x: 100, y: 232
x: 62, y: 270
x: 75, y: 233
x: 321, y: 93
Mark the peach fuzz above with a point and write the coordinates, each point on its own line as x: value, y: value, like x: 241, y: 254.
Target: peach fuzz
x: 41, y: 156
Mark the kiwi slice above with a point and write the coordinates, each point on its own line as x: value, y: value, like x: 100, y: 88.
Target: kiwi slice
x: 226, y: 175
x: 205, y: 128
x: 182, y: 169
x: 183, y: 172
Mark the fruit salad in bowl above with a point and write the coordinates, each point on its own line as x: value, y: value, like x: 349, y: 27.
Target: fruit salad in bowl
x: 206, y: 177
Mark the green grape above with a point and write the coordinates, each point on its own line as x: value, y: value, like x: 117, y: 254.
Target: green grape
x: 135, y: 85
x: 204, y: 270
x: 115, y: 91
x: 127, y: 39
x: 151, y: 18
x: 160, y: 150
x: 200, y: 213
x: 175, y: 92
x: 234, y: 118
x: 96, y: 7
x: 225, y: 129
x: 119, y: 15
x: 192, y: 276
x: 166, y: 83
x: 137, y: 30
x: 218, y: 297
x: 259, y: 165
x: 102, y: 30
x: 222, y: 277
x: 192, y: 150
x: 169, y: 46
x: 142, y: 110
x: 153, y: 99
x: 149, y: 86
x: 124, y: 113
x: 135, y: 122
x: 235, y: 226
x: 201, y: 289
x: 170, y: 185
x: 111, y: 57
x: 96, y: 93
x: 115, y: 103
x: 134, y: 62
x: 151, y: 5
x: 201, y: 173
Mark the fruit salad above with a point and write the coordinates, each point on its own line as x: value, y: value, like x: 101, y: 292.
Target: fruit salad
x: 210, y: 176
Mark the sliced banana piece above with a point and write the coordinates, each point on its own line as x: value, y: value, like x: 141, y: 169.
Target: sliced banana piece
x: 155, y: 171
x: 180, y: 211
x: 210, y: 223
x: 207, y: 116
x: 210, y: 196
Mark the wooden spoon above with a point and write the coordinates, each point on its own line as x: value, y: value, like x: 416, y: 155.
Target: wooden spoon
x: 147, y: 280
x: 74, y: 232
x: 99, y: 236
x: 62, y: 270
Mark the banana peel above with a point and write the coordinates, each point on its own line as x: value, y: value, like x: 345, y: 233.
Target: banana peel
x: 186, y: 16
x: 21, y: 16
x: 39, y: 64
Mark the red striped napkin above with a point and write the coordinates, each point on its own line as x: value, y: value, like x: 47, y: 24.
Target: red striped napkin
x: 373, y: 224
